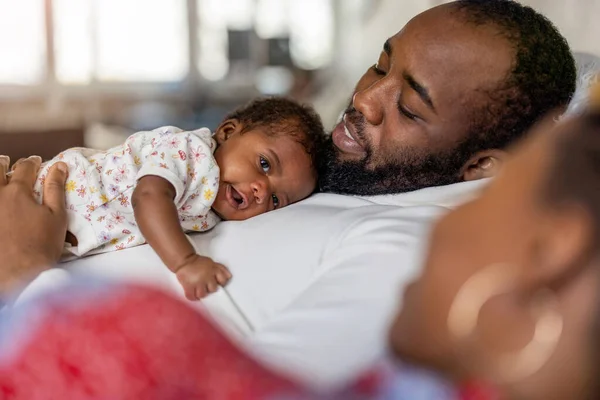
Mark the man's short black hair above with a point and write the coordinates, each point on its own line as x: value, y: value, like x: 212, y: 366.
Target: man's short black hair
x: 542, y: 77
x: 282, y: 116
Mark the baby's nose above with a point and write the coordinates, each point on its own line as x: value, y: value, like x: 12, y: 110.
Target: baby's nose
x: 259, y: 191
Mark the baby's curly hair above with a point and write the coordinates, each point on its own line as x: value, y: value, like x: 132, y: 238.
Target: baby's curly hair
x: 280, y: 116
x: 542, y: 77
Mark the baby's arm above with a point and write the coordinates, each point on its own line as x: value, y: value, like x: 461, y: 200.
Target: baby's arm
x: 156, y: 215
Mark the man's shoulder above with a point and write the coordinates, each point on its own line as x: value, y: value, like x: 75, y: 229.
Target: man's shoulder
x: 339, y: 216
x: 448, y: 196
x: 349, y: 212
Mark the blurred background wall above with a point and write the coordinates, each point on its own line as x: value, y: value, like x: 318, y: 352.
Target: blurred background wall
x: 90, y: 72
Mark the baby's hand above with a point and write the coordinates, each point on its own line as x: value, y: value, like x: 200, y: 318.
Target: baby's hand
x: 202, y: 276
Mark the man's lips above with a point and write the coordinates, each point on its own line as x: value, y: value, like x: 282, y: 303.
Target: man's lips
x: 236, y: 199
x: 344, y: 138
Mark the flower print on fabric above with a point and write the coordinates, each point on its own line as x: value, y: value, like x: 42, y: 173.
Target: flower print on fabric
x: 100, y: 185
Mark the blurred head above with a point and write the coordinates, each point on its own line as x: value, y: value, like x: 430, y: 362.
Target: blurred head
x: 267, y: 154
x: 450, y: 91
x: 538, y: 224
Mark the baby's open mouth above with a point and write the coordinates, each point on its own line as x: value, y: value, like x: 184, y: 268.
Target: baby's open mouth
x: 236, y: 198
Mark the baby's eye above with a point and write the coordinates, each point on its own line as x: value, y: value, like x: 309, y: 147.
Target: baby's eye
x: 264, y: 164
x: 275, y: 201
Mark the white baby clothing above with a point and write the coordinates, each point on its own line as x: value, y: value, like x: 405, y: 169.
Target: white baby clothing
x: 100, y: 185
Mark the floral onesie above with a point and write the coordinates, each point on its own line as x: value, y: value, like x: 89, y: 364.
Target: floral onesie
x: 100, y: 185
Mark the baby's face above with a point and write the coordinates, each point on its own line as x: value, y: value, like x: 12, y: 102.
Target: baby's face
x: 260, y: 173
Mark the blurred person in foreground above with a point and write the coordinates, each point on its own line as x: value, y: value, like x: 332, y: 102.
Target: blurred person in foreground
x: 510, y: 312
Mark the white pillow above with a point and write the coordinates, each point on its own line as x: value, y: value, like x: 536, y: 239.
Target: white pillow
x: 588, y: 68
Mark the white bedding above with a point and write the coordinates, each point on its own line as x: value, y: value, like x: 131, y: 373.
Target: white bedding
x: 315, y: 284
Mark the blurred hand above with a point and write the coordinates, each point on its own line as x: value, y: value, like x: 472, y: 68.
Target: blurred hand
x: 31, y: 235
x: 201, y: 276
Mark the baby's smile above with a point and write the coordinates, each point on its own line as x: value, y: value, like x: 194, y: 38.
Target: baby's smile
x: 237, y: 199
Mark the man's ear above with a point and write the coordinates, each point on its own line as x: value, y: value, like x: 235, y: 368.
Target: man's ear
x: 484, y: 164
x: 227, y: 129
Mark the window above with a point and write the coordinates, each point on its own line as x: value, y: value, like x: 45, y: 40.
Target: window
x: 148, y: 41
x: 73, y: 33
x: 121, y: 40
x: 311, y: 33
x: 309, y: 24
x: 212, y: 61
x: 22, y: 42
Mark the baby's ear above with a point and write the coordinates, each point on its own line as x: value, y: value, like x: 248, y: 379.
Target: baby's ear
x: 227, y: 129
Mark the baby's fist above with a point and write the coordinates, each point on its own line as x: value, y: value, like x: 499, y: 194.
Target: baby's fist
x: 202, y: 276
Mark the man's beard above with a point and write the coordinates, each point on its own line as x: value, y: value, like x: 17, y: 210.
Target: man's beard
x: 408, y: 170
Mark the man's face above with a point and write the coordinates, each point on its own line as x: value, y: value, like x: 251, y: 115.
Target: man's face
x: 413, y: 108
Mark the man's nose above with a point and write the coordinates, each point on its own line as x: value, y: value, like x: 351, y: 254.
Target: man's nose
x: 370, y: 102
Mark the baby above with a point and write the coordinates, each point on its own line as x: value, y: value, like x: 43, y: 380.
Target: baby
x: 162, y: 183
